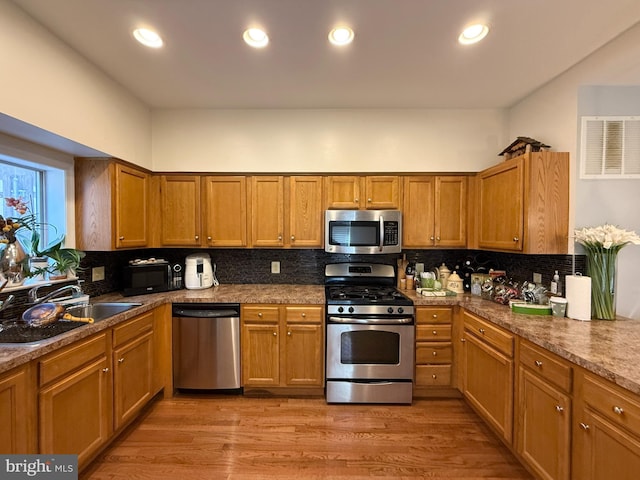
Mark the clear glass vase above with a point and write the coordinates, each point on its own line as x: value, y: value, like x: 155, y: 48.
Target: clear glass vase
x: 601, y: 267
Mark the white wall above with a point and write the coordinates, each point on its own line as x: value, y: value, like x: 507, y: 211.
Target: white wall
x: 47, y: 85
x: 552, y: 115
x: 327, y: 140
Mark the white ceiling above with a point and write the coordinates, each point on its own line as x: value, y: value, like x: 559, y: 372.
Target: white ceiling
x: 405, y: 52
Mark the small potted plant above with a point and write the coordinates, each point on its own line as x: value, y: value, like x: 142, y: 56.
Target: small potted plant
x: 65, y: 261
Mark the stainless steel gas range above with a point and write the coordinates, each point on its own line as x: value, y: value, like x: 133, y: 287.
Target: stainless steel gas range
x: 370, y: 335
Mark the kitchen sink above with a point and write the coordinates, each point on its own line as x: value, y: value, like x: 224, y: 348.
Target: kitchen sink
x: 102, y: 310
x: 18, y: 332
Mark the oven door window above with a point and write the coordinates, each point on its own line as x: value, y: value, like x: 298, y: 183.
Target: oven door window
x: 370, y: 347
x: 354, y: 234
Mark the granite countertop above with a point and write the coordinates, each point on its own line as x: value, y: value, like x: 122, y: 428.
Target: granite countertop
x: 609, y: 349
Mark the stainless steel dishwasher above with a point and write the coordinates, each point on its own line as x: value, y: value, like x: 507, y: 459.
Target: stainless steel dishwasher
x: 206, y: 346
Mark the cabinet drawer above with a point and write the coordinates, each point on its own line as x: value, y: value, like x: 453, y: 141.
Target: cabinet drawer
x: 433, y: 375
x: 491, y: 334
x: 433, y: 332
x: 304, y: 314
x: 260, y: 314
x: 433, y: 353
x: 73, y: 357
x: 615, y: 404
x: 544, y: 364
x: 428, y: 315
x: 136, y: 326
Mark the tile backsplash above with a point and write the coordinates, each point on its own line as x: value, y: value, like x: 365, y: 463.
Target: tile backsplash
x: 252, y: 266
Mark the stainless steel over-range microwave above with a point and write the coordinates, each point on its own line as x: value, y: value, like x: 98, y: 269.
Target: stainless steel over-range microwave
x: 363, y: 231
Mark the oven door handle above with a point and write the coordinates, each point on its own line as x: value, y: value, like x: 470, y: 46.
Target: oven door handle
x: 381, y: 232
x: 373, y: 321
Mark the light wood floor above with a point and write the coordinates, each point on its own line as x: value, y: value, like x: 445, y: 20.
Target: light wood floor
x: 234, y: 437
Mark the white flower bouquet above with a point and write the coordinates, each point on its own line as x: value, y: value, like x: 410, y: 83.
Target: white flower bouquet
x: 602, y: 245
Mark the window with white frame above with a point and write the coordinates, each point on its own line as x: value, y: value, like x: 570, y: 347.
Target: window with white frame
x: 610, y: 147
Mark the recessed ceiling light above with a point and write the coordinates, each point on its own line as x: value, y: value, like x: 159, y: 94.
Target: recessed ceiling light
x: 473, y: 34
x: 148, y: 38
x: 255, y: 37
x: 341, y: 36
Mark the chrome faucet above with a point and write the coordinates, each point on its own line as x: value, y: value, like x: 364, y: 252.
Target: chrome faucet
x: 33, y: 293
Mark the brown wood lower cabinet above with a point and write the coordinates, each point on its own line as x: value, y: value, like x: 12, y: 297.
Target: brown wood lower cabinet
x: 16, y: 393
x: 434, y: 351
x: 488, y: 373
x: 543, y: 412
x: 75, y: 400
x: 606, y: 431
x: 282, y: 346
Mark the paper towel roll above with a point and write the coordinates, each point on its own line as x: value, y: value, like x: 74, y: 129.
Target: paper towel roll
x: 578, y: 295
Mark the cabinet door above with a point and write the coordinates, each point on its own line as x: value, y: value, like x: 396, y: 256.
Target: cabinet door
x: 225, y: 207
x: 132, y: 378
x: 15, y: 394
x: 305, y: 212
x: 501, y: 210
x: 544, y: 426
x: 451, y: 211
x: 383, y: 192
x: 343, y: 192
x: 488, y: 384
x: 75, y: 412
x: 180, y: 196
x: 418, y: 212
x: 267, y: 211
x: 303, y: 355
x: 260, y: 354
x: 603, y: 450
x: 131, y: 200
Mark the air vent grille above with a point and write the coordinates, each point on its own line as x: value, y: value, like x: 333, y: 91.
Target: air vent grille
x: 610, y: 147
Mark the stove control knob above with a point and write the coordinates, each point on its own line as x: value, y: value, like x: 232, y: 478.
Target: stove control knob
x: 389, y: 310
x: 340, y: 309
x: 400, y: 310
x: 351, y: 309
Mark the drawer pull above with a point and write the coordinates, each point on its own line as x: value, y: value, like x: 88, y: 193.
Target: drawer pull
x: 618, y: 410
x: 481, y: 330
x: 197, y: 237
x: 260, y: 314
x: 304, y: 314
x: 538, y: 363
x: 584, y: 426
x: 463, y: 340
x: 209, y: 238
x: 435, y: 332
x: 559, y: 409
x: 434, y: 376
x: 435, y: 315
x: 435, y: 354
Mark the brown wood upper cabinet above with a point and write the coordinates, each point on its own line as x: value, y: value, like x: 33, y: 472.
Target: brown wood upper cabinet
x: 286, y: 211
x: 181, y: 218
x: 434, y: 211
x: 375, y: 192
x: 111, y: 205
x: 225, y: 211
x: 523, y: 204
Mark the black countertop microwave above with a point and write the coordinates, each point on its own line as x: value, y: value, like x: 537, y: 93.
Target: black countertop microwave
x: 151, y: 276
x: 363, y: 231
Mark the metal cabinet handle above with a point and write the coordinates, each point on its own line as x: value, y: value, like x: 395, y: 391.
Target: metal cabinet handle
x: 435, y: 332
x: 289, y: 333
x: 435, y: 315
x: 280, y: 237
x: 515, y: 239
x: 435, y: 354
x: 197, y: 237
x: 304, y: 314
x: 463, y: 340
x: 120, y: 238
x: 120, y: 360
x: 369, y: 200
x: 432, y: 238
x: 275, y: 334
x: 293, y: 238
x: 105, y: 370
x: 584, y: 426
x: 356, y: 200
x: 481, y: 330
x: 559, y: 409
x: 209, y: 238
x: 538, y: 363
x: 438, y: 239
x: 618, y: 410
x: 434, y: 376
x: 260, y: 314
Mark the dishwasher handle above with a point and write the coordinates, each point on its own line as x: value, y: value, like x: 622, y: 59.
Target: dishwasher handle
x: 195, y: 311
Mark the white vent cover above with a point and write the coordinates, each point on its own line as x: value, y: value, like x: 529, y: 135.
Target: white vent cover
x: 610, y: 147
